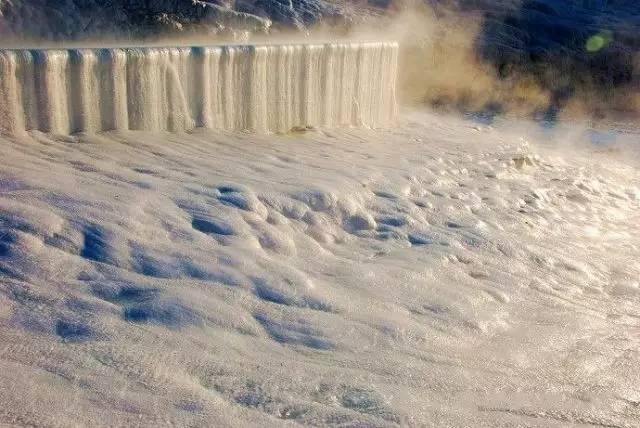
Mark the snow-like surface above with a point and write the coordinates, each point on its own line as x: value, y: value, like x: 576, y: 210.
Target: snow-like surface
x: 441, y: 273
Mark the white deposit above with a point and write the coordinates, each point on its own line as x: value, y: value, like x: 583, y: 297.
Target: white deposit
x: 440, y: 273
x: 268, y: 88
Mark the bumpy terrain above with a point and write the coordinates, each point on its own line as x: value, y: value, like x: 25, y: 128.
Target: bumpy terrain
x: 441, y: 273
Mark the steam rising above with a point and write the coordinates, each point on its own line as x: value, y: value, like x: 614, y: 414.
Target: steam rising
x: 518, y: 58
x: 542, y: 59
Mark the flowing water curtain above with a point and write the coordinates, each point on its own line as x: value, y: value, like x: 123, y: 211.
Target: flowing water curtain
x: 267, y: 88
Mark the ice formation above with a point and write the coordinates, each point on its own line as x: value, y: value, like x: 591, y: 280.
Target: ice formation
x: 265, y: 88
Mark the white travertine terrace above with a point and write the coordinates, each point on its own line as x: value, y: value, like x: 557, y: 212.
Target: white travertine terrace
x: 262, y: 88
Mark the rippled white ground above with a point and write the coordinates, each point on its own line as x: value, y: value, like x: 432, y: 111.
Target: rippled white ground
x: 441, y: 273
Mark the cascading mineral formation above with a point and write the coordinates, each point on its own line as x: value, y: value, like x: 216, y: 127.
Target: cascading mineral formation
x: 265, y: 88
